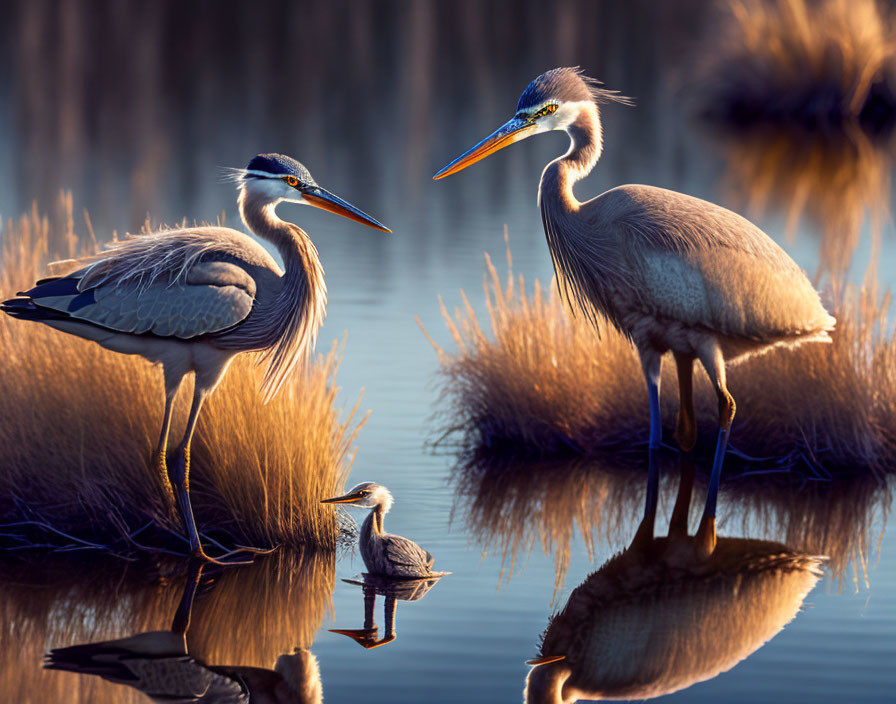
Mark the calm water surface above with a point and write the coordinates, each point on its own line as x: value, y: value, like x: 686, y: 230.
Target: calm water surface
x: 467, y: 639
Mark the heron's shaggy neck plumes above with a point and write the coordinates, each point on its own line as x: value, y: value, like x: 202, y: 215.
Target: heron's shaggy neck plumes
x: 287, y: 328
x: 572, y: 245
x: 374, y: 522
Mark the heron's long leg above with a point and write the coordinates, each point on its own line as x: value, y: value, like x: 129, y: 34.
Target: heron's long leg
x: 389, y: 618
x: 652, y: 364
x: 181, y: 621
x: 714, y: 363
x: 678, y: 524
x: 180, y: 473
x: 161, y: 451
x: 206, y: 381
x: 686, y: 424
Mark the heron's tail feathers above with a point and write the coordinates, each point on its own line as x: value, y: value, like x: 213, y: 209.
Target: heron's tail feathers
x: 25, y: 309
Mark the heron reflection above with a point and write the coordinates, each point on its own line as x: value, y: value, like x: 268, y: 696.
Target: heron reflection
x: 159, y: 664
x: 393, y: 590
x: 669, y: 612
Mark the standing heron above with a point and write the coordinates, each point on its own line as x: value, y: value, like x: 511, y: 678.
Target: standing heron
x: 669, y: 271
x: 385, y: 555
x: 192, y: 298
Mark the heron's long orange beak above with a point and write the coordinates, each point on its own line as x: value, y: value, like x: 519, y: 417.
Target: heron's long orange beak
x: 346, y: 499
x: 511, y: 131
x: 545, y: 659
x: 323, y: 199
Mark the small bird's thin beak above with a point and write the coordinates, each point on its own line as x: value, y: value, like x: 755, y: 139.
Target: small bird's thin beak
x: 511, y: 131
x: 346, y: 499
x: 544, y: 660
x: 323, y: 199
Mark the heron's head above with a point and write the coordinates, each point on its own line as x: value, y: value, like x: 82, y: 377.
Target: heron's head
x: 553, y: 101
x: 273, y: 178
x: 365, y: 495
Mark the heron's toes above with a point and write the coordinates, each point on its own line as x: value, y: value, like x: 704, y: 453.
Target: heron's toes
x: 240, y: 556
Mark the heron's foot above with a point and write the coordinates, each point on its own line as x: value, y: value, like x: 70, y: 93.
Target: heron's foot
x: 240, y: 556
x: 365, y: 637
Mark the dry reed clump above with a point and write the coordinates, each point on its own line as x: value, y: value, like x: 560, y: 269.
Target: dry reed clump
x: 545, y: 383
x: 80, y: 425
x: 803, y: 95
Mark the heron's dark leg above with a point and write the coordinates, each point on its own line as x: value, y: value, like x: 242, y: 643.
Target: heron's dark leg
x: 678, y: 524
x: 652, y: 364
x: 180, y: 473
x: 389, y: 618
x: 181, y: 621
x: 686, y: 424
x: 180, y: 476
x: 162, y: 450
x: 714, y: 363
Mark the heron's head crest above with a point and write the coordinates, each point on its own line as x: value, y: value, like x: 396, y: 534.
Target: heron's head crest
x: 366, y: 495
x: 566, y: 85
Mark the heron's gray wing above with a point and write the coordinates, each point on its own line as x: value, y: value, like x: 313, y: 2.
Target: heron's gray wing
x: 701, y: 264
x: 210, y: 297
x: 156, y: 663
x: 405, y: 556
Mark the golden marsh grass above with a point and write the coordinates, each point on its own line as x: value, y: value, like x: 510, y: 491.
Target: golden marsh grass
x: 538, y: 380
x: 80, y: 425
x: 803, y: 93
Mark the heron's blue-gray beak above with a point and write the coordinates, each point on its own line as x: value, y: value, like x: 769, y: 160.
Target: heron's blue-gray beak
x: 323, y: 199
x: 347, y: 499
x: 511, y: 131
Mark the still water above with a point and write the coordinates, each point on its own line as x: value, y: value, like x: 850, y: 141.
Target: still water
x: 414, y: 88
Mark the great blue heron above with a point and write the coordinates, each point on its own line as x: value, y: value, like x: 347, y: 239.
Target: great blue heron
x: 669, y: 271
x: 384, y: 554
x: 192, y: 298
x: 159, y: 664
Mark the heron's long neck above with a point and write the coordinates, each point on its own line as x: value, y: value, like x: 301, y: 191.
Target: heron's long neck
x: 374, y: 522
x: 290, y: 322
x: 559, y: 177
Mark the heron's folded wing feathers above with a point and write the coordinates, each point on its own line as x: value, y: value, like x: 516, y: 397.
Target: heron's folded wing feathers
x: 402, y: 552
x: 706, y: 265
x: 210, y: 297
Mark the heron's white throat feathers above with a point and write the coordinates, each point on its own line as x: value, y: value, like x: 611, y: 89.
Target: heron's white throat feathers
x: 581, y: 121
x: 286, y: 330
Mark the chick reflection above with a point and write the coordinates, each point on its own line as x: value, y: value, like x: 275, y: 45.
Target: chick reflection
x: 669, y: 612
x: 392, y: 590
x: 158, y: 664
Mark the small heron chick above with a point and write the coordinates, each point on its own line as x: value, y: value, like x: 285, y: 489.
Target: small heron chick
x: 384, y: 554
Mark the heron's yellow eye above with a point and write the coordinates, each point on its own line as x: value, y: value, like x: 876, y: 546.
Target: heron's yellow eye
x: 544, y: 111
x: 292, y: 181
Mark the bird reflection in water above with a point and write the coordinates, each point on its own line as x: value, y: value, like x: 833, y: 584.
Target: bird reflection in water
x: 392, y: 590
x: 159, y: 664
x: 669, y: 612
